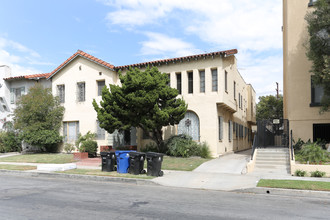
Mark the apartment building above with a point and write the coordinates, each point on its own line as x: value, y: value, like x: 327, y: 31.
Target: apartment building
x: 221, y: 106
x: 301, y: 99
x: 13, y: 87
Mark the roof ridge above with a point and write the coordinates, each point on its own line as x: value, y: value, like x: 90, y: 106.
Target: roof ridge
x: 85, y: 55
x: 224, y: 52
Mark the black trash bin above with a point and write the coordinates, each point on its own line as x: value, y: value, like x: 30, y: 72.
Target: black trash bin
x: 108, y: 161
x: 136, y: 160
x: 154, y: 164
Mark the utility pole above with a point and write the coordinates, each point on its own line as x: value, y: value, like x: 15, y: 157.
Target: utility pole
x: 277, y: 95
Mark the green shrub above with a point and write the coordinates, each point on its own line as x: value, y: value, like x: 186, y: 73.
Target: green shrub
x: 81, y: 138
x: 90, y: 147
x: 179, y: 146
x: 205, y: 150
x: 68, y: 147
x: 317, y: 174
x: 150, y: 147
x: 313, y: 153
x: 300, y: 173
x: 9, y: 142
x: 183, y: 146
x: 297, y: 145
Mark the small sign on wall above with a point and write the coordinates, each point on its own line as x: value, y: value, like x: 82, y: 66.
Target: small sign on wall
x: 276, y: 121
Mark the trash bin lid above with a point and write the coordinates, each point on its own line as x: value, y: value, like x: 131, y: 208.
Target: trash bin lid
x: 104, y: 153
x: 154, y: 154
x: 135, y: 153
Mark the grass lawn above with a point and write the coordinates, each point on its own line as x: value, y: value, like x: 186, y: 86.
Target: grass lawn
x: 178, y: 163
x: 295, y: 184
x: 40, y: 158
x: 169, y: 163
x: 16, y: 167
x: 100, y: 173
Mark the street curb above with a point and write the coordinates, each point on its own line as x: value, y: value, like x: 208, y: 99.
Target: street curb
x: 285, y: 192
x: 78, y: 177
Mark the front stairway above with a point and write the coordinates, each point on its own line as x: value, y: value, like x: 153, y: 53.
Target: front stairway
x: 272, y: 161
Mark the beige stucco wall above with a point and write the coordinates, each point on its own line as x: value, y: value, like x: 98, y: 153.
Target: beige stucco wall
x: 207, y: 105
x: 83, y: 112
x: 296, y: 76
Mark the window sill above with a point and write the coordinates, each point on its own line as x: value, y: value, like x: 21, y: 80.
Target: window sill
x: 311, y: 4
x: 315, y: 105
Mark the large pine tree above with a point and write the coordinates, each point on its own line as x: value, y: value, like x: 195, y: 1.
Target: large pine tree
x: 318, y: 50
x: 144, y: 100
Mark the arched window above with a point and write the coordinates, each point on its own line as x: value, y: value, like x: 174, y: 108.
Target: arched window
x: 189, y: 125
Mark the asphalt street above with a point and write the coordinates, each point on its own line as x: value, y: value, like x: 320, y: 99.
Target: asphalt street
x: 50, y: 198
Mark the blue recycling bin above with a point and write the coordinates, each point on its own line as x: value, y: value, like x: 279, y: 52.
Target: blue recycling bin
x: 122, y: 160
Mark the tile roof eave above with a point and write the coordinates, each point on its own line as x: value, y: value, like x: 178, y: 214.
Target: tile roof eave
x: 225, y: 53
x: 83, y: 55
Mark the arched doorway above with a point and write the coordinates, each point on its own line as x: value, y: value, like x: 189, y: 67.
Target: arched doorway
x: 190, y: 125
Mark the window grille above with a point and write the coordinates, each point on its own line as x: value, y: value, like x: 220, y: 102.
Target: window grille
x: 202, y: 80
x: 61, y: 93
x: 215, y: 80
x: 100, y: 85
x: 81, y: 91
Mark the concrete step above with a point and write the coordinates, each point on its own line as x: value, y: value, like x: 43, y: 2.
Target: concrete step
x: 272, y: 153
x: 272, y: 156
x: 272, y: 167
x: 285, y: 163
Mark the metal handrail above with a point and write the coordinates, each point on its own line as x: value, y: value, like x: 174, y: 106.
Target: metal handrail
x: 254, y: 145
x: 291, y: 145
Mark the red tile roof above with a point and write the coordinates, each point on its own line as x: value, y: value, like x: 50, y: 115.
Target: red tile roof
x: 34, y: 76
x: 85, y: 55
x: 108, y: 65
x: 157, y: 62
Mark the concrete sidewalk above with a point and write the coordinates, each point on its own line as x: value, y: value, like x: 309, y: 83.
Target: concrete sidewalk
x: 226, y: 173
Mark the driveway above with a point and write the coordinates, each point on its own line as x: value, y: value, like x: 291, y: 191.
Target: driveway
x: 234, y: 163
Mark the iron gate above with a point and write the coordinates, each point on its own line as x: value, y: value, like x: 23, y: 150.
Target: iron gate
x: 273, y: 133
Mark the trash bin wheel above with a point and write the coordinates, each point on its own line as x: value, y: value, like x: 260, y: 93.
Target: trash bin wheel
x: 161, y: 173
x: 143, y: 172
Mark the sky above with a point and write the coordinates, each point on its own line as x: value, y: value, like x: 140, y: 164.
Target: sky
x: 36, y: 36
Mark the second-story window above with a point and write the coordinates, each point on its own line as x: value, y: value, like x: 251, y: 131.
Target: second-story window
x: 190, y: 82
x: 16, y: 93
x: 317, y: 94
x: 169, y: 79
x: 239, y: 100
x: 202, y: 80
x: 215, y: 80
x: 81, y: 91
x: 234, y: 90
x: 178, y: 82
x: 100, y: 85
x: 61, y: 93
x: 226, y: 78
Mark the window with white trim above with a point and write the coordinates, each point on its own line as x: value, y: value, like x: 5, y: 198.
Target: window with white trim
x: 70, y: 131
x: 16, y: 93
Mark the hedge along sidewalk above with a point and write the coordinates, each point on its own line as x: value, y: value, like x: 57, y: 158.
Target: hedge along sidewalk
x: 295, y: 184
